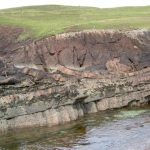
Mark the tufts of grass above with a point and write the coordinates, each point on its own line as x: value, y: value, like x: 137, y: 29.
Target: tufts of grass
x: 41, y: 21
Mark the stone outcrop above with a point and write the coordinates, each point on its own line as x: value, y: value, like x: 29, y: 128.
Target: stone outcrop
x: 61, y: 78
x: 88, y: 50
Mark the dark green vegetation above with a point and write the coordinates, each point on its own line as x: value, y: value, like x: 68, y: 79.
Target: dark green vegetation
x: 42, y: 21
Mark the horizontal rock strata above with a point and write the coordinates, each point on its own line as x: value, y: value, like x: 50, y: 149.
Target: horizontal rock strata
x: 62, y: 78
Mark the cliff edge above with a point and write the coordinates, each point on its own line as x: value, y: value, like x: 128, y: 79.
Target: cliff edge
x: 60, y: 78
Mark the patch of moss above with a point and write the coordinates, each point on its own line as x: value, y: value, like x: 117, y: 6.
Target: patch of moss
x: 129, y: 113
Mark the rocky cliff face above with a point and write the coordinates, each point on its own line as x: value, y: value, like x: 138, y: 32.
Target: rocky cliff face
x: 61, y: 78
x: 89, y: 50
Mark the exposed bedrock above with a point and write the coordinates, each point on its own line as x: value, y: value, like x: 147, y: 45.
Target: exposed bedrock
x: 61, y: 78
x: 90, y: 50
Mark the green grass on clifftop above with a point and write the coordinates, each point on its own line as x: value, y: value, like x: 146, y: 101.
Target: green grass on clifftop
x: 41, y: 21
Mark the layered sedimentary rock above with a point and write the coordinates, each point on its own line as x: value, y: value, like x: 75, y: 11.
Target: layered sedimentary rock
x: 61, y: 78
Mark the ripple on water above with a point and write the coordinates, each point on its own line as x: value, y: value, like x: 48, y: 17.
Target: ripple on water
x: 116, y: 130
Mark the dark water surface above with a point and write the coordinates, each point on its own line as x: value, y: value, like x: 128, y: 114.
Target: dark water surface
x: 124, y: 129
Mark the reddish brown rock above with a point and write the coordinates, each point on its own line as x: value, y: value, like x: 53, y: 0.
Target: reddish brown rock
x: 79, y: 74
x: 89, y: 50
x: 114, y: 66
x: 63, y: 77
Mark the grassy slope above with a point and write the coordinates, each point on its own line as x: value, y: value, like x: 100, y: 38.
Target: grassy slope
x: 49, y: 20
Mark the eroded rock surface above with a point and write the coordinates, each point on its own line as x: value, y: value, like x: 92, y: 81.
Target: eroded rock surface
x: 61, y: 78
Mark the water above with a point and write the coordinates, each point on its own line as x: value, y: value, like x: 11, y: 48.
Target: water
x: 125, y: 129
